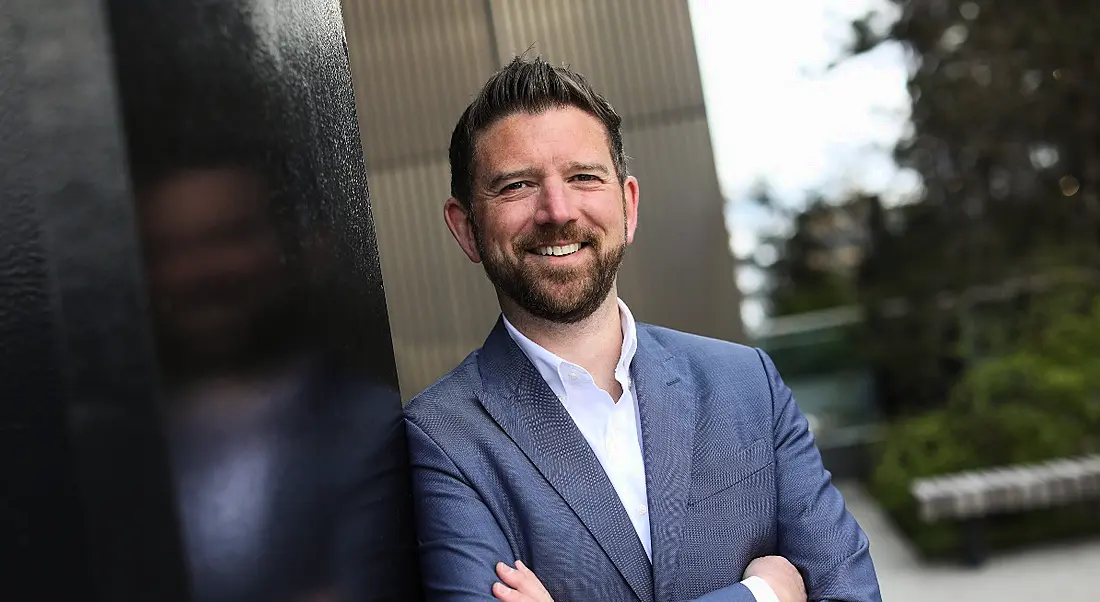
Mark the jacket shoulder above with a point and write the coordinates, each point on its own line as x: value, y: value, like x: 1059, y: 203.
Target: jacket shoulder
x: 718, y: 365
x: 446, y: 395
x: 700, y: 349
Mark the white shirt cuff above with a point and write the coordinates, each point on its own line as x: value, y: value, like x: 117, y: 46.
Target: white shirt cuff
x: 760, y: 589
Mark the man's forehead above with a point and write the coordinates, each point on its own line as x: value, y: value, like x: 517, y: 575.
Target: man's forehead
x: 566, y: 137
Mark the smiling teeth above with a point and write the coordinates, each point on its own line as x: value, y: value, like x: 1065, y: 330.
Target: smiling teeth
x: 559, y: 251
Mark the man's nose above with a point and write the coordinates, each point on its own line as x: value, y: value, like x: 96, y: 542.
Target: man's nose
x: 555, y: 207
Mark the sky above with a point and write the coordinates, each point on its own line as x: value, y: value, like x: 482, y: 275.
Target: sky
x: 777, y: 112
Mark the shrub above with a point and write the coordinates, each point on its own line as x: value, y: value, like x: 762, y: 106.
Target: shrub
x: 1038, y: 401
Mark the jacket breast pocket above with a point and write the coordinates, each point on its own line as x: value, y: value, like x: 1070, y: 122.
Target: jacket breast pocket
x: 720, y: 474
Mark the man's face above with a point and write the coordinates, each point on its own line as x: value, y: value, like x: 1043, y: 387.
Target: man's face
x: 549, y: 220
x: 213, y: 257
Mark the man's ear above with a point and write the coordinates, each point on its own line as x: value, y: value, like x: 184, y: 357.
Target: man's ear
x: 460, y: 223
x: 630, y: 199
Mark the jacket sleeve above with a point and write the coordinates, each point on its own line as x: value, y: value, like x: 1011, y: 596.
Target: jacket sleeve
x: 816, y: 532
x: 460, y: 540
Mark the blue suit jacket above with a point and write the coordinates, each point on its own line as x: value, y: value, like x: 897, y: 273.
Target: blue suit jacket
x: 501, y: 472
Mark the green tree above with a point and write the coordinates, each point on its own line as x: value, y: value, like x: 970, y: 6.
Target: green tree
x: 817, y: 264
x: 1005, y: 142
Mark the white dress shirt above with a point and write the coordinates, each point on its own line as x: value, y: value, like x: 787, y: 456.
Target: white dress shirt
x: 613, y: 429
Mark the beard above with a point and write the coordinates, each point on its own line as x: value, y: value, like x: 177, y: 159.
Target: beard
x: 561, y: 295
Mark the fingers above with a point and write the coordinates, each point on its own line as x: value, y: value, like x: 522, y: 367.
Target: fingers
x: 518, y: 584
x: 506, y: 594
x: 510, y: 576
x: 526, y: 571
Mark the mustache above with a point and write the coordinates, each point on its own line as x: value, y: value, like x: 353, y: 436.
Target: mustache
x: 548, y: 236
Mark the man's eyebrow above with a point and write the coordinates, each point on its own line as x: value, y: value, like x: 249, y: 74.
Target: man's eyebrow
x: 597, y: 167
x: 511, y: 175
x: 531, y: 172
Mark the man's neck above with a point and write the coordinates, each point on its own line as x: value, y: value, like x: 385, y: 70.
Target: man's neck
x: 594, y: 343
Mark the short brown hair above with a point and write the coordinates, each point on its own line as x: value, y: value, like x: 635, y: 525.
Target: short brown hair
x: 528, y: 85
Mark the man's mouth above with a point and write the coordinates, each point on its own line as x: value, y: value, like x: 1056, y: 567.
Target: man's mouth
x: 558, y: 250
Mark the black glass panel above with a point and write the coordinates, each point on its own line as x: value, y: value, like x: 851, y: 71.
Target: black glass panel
x: 201, y: 400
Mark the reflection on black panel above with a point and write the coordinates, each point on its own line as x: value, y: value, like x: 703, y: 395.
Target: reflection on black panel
x: 273, y: 445
x: 280, y: 400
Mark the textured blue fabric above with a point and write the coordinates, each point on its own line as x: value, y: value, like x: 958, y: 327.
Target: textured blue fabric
x: 501, y: 472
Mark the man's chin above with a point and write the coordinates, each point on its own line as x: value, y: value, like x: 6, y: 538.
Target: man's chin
x: 556, y: 306
x: 554, y: 293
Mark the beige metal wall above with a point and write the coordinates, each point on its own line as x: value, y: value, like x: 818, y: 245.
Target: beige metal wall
x: 416, y: 65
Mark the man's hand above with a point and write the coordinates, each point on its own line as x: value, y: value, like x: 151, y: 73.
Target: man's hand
x: 520, y: 585
x: 781, y: 576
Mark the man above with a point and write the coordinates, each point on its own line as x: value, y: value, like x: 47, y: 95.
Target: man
x: 609, y: 460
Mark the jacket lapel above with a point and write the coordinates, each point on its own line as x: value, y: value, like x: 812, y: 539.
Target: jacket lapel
x: 666, y: 403
x: 521, y: 402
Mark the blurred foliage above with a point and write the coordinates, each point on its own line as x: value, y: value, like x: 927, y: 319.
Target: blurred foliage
x: 816, y: 265
x: 978, y: 297
x: 1037, y: 399
x: 1005, y: 139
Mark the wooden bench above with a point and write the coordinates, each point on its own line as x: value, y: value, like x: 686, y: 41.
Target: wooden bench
x: 971, y: 496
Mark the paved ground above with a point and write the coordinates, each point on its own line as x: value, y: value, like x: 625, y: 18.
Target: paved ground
x: 1063, y: 573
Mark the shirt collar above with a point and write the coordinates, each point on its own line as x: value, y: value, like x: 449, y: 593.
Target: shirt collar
x: 549, y: 365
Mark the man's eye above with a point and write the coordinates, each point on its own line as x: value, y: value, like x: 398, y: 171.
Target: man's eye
x: 514, y: 186
x: 586, y: 177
